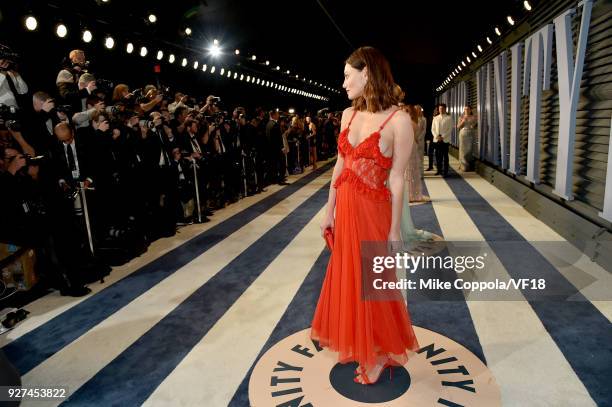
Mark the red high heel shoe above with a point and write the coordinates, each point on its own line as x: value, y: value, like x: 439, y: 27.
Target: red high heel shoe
x: 366, y: 379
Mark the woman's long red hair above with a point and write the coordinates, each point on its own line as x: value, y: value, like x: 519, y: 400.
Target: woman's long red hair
x: 379, y: 92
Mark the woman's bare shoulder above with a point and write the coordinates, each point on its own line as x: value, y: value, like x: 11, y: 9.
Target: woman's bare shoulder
x: 401, y: 119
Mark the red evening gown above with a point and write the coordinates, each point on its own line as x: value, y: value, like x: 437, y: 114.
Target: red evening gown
x: 367, y: 332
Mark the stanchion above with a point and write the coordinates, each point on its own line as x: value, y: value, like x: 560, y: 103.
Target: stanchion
x: 197, y: 188
x: 82, y: 191
x: 299, y: 162
x: 255, y: 172
x: 286, y: 165
x: 243, y: 174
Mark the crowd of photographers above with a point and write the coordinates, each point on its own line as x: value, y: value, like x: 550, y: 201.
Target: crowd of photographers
x: 98, y: 168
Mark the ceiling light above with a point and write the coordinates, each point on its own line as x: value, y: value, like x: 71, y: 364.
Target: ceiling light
x: 527, y: 5
x: 129, y: 48
x: 152, y: 18
x: 215, y: 51
x: 171, y: 58
x: 61, y: 30
x: 187, y: 31
x: 143, y: 51
x: 109, y: 42
x: 510, y: 20
x: 31, y: 23
x: 160, y: 55
x: 87, y: 36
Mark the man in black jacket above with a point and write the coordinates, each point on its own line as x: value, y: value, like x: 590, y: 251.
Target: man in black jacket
x: 160, y: 180
x: 28, y: 217
x: 277, y: 166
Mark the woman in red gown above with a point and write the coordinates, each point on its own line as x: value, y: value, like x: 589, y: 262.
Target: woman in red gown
x: 365, y: 204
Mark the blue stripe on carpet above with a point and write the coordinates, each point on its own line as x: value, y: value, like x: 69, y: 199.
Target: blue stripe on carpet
x: 36, y: 346
x: 131, y: 377
x: 449, y: 318
x: 582, y: 333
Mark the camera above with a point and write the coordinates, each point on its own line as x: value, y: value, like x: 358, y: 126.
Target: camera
x: 9, y: 117
x: 7, y: 54
x: 105, y: 85
x: 149, y: 124
x: 34, y: 160
x: 66, y: 109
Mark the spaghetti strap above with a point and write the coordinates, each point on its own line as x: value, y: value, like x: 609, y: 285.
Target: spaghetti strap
x: 382, y: 126
x: 352, y: 117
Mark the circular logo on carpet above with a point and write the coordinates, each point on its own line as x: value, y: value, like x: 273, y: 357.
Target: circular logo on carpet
x: 297, y: 372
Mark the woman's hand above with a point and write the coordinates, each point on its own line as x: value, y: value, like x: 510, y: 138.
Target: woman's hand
x: 327, y: 222
x: 394, y: 241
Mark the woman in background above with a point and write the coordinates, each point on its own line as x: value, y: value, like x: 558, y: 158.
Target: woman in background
x: 414, y: 170
x: 467, y: 125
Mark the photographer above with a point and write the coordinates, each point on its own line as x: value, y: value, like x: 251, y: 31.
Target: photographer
x: 179, y: 100
x: 211, y: 108
x: 73, y: 158
x: 93, y: 104
x: 12, y: 86
x: 182, y: 165
x: 10, y: 130
x: 27, y: 220
x: 46, y: 116
x: 68, y: 78
x: 162, y: 192
x: 178, y: 122
x: 151, y: 100
x: 276, y: 158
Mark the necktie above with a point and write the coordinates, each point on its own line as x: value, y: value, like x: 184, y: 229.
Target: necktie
x: 70, y: 154
x: 164, y: 159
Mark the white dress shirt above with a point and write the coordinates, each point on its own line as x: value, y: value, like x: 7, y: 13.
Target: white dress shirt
x: 6, y: 95
x: 442, y: 125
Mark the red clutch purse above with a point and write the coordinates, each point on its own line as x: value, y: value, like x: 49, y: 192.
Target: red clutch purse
x: 329, y: 238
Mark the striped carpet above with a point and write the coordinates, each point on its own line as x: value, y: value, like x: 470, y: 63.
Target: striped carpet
x: 184, y: 324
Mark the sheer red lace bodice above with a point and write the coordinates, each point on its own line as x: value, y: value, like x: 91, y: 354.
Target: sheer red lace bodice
x: 365, y: 167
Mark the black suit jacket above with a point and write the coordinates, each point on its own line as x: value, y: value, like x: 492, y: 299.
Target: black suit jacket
x: 154, y: 144
x: 84, y: 155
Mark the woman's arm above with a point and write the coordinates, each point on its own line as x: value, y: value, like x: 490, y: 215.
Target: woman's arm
x: 328, y: 220
x: 403, y: 143
x: 461, y: 122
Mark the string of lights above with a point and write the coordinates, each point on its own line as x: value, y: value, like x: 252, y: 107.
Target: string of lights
x: 215, y: 51
x: 467, y: 60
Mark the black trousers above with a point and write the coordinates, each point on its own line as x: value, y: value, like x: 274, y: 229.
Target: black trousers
x: 442, y: 157
x: 430, y: 153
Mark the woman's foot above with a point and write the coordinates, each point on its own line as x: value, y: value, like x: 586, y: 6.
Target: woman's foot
x: 371, y: 376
